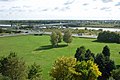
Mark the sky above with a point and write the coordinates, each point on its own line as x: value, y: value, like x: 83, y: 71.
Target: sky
x: 59, y: 9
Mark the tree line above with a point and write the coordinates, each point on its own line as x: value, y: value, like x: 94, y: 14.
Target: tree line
x: 8, y: 31
x: 107, y: 36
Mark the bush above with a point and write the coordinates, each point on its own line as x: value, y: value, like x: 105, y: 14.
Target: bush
x: 107, y: 36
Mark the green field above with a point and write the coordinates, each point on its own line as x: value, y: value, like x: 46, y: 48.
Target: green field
x: 38, y: 49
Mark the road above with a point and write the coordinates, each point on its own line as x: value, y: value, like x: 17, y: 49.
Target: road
x: 26, y: 32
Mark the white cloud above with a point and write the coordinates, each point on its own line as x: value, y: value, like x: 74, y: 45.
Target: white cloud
x: 59, y: 9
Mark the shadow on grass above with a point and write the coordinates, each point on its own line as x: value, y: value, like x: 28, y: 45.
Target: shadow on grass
x: 46, y: 47
x: 104, y: 42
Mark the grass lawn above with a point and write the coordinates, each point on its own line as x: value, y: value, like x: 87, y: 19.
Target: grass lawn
x: 37, y: 49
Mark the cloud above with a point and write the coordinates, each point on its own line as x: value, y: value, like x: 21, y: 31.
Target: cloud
x: 106, y: 8
x: 1, y: 10
x: 95, y: 8
x: 106, y: 1
x: 64, y: 8
x: 4, y: 0
x: 25, y: 6
x: 15, y: 7
x: 44, y: 10
x: 118, y: 4
x: 69, y: 2
x: 56, y: 8
x: 85, y: 4
x: 7, y: 0
x: 60, y: 9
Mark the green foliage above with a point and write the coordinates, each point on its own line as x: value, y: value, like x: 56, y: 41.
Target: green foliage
x: 80, y: 53
x: 59, y: 34
x: 67, y: 36
x: 69, y: 69
x: 107, y: 36
x: 4, y: 77
x: 116, y: 74
x: 54, y: 39
x: 89, y: 55
x: 5, y: 30
x: 83, y: 54
x: 13, y: 67
x: 105, y: 64
x: 106, y: 51
x: 34, y: 72
x: 81, y: 31
x: 85, y: 71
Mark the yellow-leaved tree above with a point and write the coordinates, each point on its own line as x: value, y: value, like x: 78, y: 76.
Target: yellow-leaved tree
x: 66, y: 68
x: 60, y: 69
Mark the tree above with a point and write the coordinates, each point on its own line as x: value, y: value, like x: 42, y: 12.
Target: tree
x: 107, y: 36
x: 69, y: 69
x: 83, y: 54
x: 89, y: 55
x: 59, y: 34
x: 67, y: 37
x: 60, y: 70
x: 13, y: 67
x: 105, y: 66
x: 85, y: 71
x: 34, y: 72
x: 54, y: 39
x: 80, y: 53
x: 106, y: 51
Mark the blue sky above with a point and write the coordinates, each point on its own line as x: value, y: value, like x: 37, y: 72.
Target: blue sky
x: 60, y: 9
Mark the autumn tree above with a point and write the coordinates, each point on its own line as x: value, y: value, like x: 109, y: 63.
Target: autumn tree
x: 69, y: 69
x: 85, y: 71
x: 60, y: 70
x: 67, y: 37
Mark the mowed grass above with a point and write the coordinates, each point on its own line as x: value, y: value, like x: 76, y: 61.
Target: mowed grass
x: 37, y: 49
